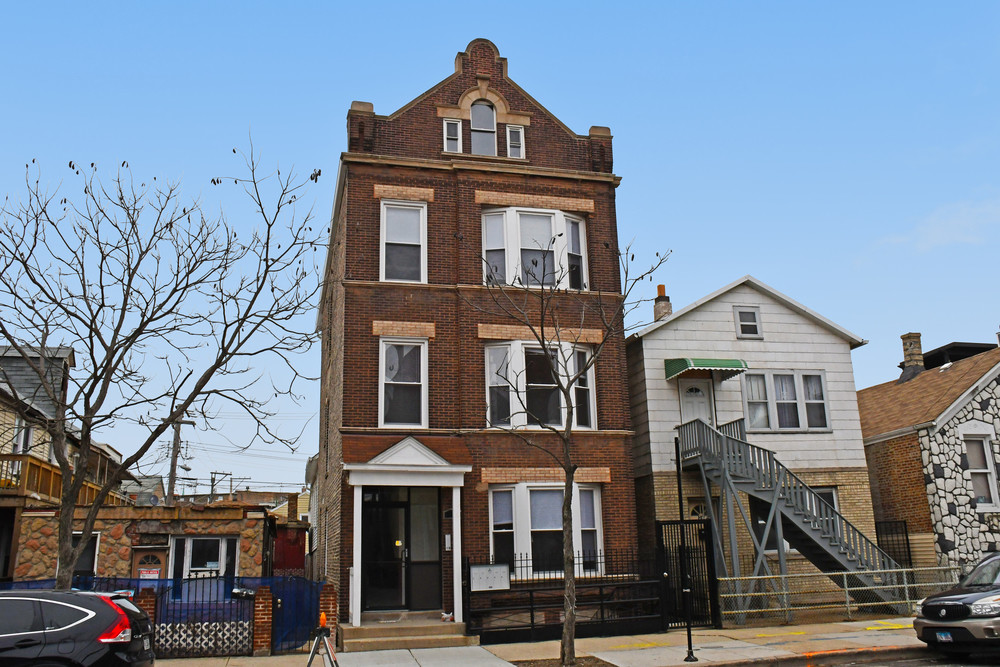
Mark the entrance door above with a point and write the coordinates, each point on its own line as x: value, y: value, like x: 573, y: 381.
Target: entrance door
x: 696, y: 400
x: 400, y: 548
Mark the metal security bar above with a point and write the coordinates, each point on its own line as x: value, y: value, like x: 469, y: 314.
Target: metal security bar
x: 784, y: 596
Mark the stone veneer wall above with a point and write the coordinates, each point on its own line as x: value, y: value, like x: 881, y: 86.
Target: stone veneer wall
x: 964, y: 532
x: 122, y: 527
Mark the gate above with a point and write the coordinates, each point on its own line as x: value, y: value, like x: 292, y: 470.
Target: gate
x: 699, y: 561
x: 201, y: 617
x: 894, y: 539
x: 295, y: 612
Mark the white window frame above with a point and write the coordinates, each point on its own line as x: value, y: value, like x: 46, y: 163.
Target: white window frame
x: 24, y: 436
x: 520, y: 129
x: 473, y: 129
x: 565, y: 354
x: 458, y: 125
x: 990, y: 469
x: 755, y: 310
x: 383, y: 344
x: 394, y: 203
x: 559, y: 249
x: 521, y: 500
x: 223, y: 541
x: 800, y: 400
x: 97, y: 546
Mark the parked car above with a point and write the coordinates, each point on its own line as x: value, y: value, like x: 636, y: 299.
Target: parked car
x: 964, y: 619
x: 73, y: 629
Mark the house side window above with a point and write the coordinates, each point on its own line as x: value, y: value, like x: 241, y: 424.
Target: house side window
x: 526, y: 528
x: 452, y: 135
x: 23, y: 437
x: 403, y: 379
x: 534, y: 248
x: 785, y: 401
x: 522, y: 390
x: 484, y: 128
x: 747, y: 320
x: 982, y: 470
x: 87, y: 564
x: 515, y: 141
x: 404, y: 241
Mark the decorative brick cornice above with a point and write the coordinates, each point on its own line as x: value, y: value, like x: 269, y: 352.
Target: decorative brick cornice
x: 599, y: 475
x: 407, y: 329
x: 521, y: 332
x: 494, y: 198
x: 403, y: 192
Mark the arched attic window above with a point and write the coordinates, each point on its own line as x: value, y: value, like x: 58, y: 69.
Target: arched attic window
x: 484, y: 128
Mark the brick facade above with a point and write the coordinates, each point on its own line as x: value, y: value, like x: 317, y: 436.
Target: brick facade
x: 400, y: 156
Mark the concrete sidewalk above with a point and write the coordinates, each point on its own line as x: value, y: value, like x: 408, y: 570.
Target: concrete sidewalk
x: 787, y: 645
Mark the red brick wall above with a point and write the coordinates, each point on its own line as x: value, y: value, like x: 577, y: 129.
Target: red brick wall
x: 262, y: 613
x: 899, y: 492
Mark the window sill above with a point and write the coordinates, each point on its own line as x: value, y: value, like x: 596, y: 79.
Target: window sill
x: 484, y: 158
x: 799, y: 431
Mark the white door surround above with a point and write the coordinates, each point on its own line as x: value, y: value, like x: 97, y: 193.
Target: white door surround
x: 407, y: 463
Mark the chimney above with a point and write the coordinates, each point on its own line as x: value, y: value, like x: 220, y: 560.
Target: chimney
x: 293, y: 507
x: 661, y: 306
x: 913, y: 356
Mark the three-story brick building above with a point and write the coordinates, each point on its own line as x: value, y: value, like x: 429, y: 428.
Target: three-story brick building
x: 464, y: 189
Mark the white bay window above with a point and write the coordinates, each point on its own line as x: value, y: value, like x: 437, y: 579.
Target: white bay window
x: 534, y: 248
x: 526, y: 528
x: 522, y: 385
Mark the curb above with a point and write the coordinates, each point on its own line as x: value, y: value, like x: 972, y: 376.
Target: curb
x: 840, y: 656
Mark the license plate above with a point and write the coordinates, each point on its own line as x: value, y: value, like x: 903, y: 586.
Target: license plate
x: 943, y: 637
x: 145, y: 643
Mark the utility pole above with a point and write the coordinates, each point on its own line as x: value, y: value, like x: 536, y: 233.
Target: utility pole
x: 222, y: 475
x: 174, y: 452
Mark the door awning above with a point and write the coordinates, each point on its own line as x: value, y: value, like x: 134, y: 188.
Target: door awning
x: 726, y: 368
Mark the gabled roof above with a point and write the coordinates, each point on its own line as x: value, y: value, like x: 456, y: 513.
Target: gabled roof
x: 929, y: 398
x: 748, y: 280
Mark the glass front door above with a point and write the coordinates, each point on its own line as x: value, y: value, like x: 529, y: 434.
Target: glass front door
x: 400, y: 548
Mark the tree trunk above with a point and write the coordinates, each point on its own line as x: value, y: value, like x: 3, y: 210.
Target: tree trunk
x: 67, y: 559
x: 567, y: 646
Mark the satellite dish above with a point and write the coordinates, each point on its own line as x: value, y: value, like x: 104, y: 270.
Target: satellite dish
x: 154, y: 500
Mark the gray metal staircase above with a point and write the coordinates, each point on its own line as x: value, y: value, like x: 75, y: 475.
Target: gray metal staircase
x: 789, y: 509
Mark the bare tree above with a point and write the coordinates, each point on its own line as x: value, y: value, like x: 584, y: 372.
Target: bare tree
x: 568, y: 330
x: 172, y: 313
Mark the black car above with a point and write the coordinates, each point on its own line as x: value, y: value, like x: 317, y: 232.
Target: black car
x: 964, y: 619
x: 73, y: 629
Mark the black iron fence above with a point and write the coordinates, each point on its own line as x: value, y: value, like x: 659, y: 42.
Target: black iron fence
x: 616, y: 593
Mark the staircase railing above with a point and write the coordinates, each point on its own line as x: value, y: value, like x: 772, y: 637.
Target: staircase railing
x: 748, y: 462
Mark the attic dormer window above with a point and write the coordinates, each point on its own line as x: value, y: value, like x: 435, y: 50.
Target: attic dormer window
x: 484, y: 128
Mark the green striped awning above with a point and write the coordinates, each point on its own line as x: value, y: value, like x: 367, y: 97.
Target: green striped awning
x: 727, y: 367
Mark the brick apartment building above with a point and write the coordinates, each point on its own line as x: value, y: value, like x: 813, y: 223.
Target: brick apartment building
x: 411, y: 478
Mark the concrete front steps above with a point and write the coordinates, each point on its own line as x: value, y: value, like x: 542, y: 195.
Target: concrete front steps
x: 381, y: 631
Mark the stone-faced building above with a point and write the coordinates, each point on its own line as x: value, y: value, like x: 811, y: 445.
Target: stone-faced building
x: 932, y: 449
x: 471, y: 185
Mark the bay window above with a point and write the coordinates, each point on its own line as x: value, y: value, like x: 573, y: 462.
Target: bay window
x: 785, y: 400
x: 534, y: 248
x: 526, y: 528
x: 522, y: 385
x: 403, y: 380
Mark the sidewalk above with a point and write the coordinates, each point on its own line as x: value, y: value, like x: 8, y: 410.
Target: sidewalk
x: 787, y: 645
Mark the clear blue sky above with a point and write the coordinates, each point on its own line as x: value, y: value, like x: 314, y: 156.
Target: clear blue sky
x: 846, y: 153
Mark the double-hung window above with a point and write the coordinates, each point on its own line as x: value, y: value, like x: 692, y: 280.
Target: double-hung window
x: 404, y: 241
x: 452, y: 135
x: 515, y: 141
x: 403, y: 380
x: 534, y: 248
x: 785, y: 401
x: 522, y: 384
x: 747, y: 320
x: 484, y: 128
x: 982, y: 470
x: 526, y: 528
x: 23, y: 434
